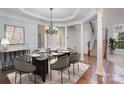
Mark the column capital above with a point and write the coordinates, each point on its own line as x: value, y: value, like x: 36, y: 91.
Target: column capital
x: 81, y: 23
x: 65, y: 26
x: 99, y: 10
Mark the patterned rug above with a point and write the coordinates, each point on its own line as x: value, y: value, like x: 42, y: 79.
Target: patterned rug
x: 56, y: 77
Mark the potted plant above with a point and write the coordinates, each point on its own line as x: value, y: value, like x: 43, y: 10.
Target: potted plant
x: 112, y: 45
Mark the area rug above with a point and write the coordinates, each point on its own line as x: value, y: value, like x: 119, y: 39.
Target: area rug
x: 56, y: 77
x: 118, y: 74
x: 117, y: 59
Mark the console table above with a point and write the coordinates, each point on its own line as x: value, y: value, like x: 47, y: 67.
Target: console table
x: 9, y: 56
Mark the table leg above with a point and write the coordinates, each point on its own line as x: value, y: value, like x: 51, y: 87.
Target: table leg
x: 35, y: 78
x: 20, y: 78
x: 4, y: 67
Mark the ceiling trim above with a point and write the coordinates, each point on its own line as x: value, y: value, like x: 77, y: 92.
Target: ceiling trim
x: 48, y: 19
x: 10, y: 15
x: 40, y: 21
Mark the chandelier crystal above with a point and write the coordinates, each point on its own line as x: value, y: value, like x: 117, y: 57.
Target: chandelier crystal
x: 51, y: 29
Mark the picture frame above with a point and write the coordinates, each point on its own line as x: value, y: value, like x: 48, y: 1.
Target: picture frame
x: 15, y: 34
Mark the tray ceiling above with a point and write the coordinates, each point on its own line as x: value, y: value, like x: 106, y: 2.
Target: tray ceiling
x: 59, y: 14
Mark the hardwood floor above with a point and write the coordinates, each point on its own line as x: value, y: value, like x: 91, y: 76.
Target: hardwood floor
x: 111, y: 74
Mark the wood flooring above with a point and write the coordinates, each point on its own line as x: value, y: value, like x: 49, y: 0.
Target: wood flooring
x: 111, y: 74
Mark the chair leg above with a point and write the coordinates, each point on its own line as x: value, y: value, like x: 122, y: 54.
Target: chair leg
x: 35, y: 78
x: 73, y: 69
x: 61, y: 77
x: 59, y: 72
x: 28, y: 75
x: 78, y: 65
x: 50, y: 74
x: 68, y: 73
x: 15, y: 76
x: 20, y: 78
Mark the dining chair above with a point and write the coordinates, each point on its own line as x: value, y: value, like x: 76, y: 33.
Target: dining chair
x: 22, y: 67
x: 74, y: 58
x: 61, y: 64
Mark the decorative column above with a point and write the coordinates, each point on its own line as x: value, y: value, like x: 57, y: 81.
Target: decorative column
x: 45, y: 40
x: 81, y: 42
x: 66, y: 37
x: 99, y: 43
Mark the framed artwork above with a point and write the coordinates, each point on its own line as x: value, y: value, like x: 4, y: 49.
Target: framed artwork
x: 15, y: 34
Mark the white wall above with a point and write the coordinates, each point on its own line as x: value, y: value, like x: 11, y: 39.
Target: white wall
x: 87, y: 36
x: 73, y: 37
x: 30, y: 30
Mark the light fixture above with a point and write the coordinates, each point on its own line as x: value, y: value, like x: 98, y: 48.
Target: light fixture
x: 5, y: 42
x: 51, y: 29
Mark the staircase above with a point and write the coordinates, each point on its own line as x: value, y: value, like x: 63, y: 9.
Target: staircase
x: 93, y: 52
x: 93, y: 49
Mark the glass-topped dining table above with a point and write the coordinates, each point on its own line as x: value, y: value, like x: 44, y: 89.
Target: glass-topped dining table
x: 41, y: 62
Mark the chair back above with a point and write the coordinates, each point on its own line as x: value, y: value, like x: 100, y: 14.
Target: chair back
x: 36, y: 51
x: 21, y: 65
x: 48, y: 50
x: 20, y: 60
x: 63, y: 61
x: 74, y: 57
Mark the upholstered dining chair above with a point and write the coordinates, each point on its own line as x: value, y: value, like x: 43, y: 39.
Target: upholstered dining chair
x: 22, y: 67
x: 74, y: 58
x: 36, y: 51
x: 61, y: 64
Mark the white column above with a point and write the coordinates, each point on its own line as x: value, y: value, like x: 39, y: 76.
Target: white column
x: 81, y: 42
x: 66, y: 37
x: 99, y: 43
x: 45, y: 40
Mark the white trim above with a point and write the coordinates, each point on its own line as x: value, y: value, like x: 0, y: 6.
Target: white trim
x: 99, y: 44
x: 36, y: 19
x: 91, y: 14
x: 45, y: 41
x: 82, y: 43
x: 66, y: 37
x: 73, y: 22
x: 6, y: 14
x: 48, y: 19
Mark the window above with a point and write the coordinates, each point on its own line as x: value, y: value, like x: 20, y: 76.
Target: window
x: 121, y: 40
x: 119, y: 36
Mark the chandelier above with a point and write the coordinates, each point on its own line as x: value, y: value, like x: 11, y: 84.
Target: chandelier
x: 51, y: 29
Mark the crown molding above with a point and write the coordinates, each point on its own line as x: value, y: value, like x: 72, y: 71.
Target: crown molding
x: 10, y: 15
x: 59, y: 23
x: 48, y: 19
